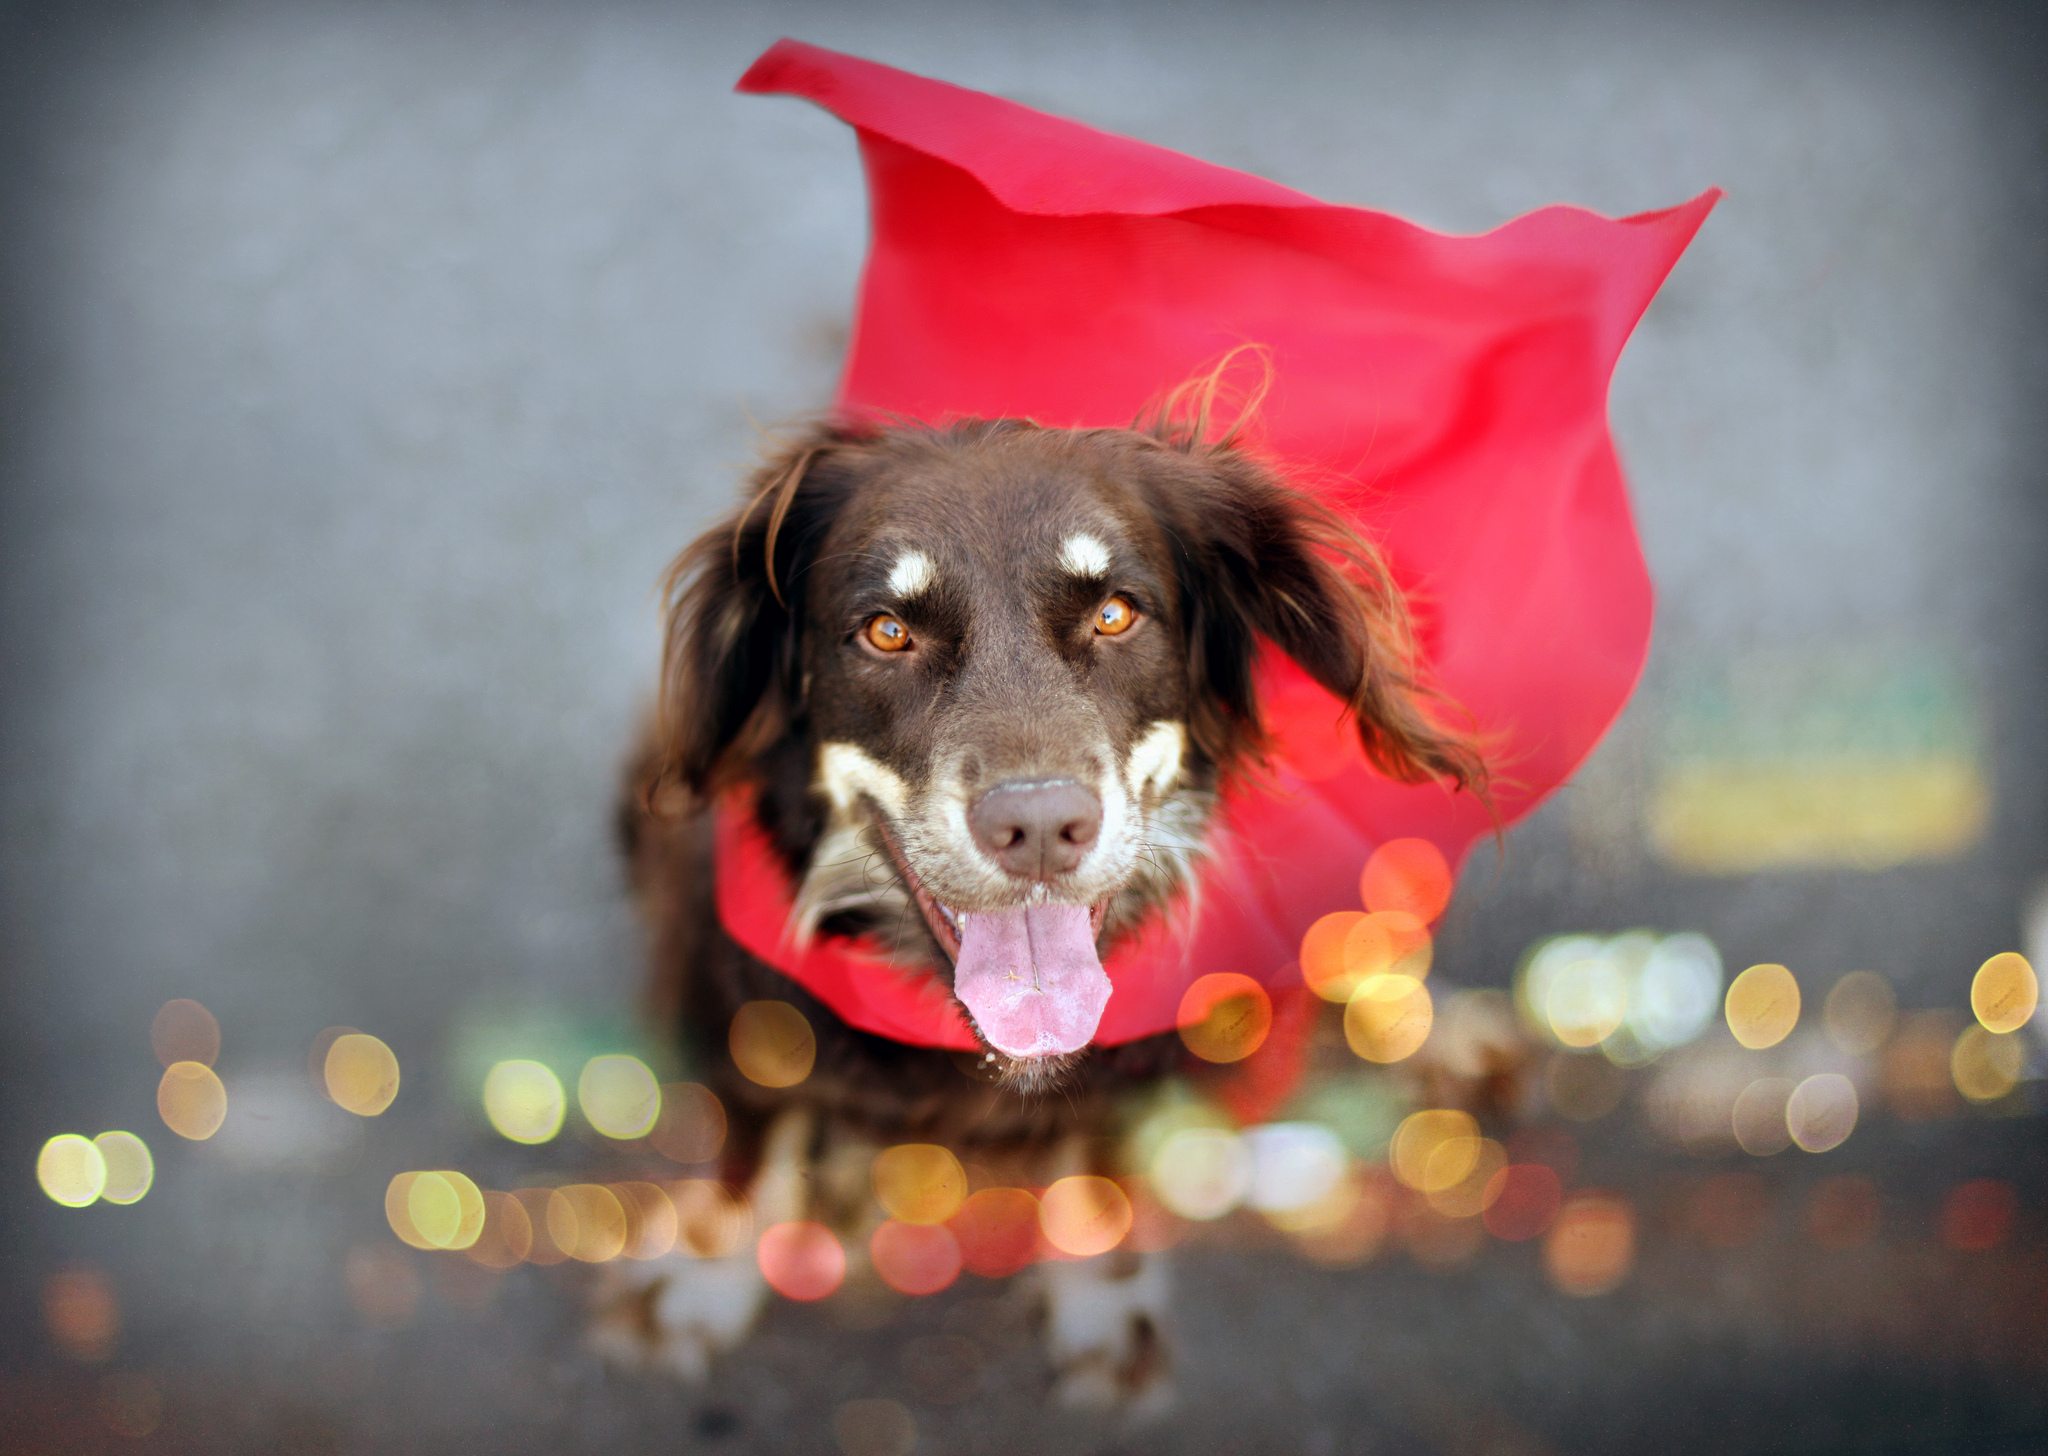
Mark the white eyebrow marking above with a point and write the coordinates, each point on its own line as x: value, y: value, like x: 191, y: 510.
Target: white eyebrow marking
x: 911, y: 574
x: 1084, y: 555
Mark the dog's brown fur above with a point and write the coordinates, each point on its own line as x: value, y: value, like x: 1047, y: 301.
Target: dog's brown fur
x: 763, y: 665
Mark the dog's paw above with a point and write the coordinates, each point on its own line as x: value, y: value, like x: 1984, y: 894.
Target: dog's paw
x: 674, y: 1315
x: 1105, y: 1323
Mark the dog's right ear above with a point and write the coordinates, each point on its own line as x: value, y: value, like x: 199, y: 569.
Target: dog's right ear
x: 731, y: 672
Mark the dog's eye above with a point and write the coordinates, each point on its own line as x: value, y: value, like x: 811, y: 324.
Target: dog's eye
x: 1115, y: 617
x: 887, y: 634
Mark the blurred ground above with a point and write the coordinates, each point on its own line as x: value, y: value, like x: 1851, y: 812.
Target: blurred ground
x: 363, y: 366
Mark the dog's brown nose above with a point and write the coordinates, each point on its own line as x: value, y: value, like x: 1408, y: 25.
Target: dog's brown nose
x: 1036, y: 830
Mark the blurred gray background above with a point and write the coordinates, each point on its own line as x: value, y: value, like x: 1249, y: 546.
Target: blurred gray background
x: 365, y: 363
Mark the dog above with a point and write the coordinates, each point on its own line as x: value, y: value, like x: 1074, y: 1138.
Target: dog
x: 979, y: 685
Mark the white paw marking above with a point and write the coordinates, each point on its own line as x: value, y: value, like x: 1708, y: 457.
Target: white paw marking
x: 1084, y: 555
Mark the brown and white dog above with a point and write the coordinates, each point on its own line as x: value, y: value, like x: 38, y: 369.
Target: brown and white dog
x: 981, y: 684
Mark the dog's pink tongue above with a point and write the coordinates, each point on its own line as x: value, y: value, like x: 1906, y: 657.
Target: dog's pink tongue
x: 1032, y: 978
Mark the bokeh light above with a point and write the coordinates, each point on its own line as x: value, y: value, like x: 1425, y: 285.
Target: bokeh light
x: 874, y: 1428
x: 587, y: 1222
x: 71, y: 1170
x: 524, y: 1101
x: 1763, y: 1006
x: 1363, y: 1219
x: 1322, y: 955
x: 652, y: 1225
x: 1859, y: 1013
x: 1470, y: 1194
x: 619, y: 1096
x: 398, y: 1209
x: 81, y: 1313
x: 1294, y: 1165
x: 1387, y: 941
x: 1575, y: 992
x: 1388, y: 1018
x: 1635, y: 995
x: 130, y: 1168
x: 691, y: 1127
x: 915, y: 1258
x: 1977, y: 1215
x: 1821, y: 1112
x: 1591, y: 1246
x: 1758, y: 1117
x: 1522, y: 1201
x: 360, y: 1074
x: 1434, y: 1149
x: 1084, y: 1214
x: 998, y: 1231
x: 439, y: 1209
x: 191, y: 1100
x: 710, y: 1221
x: 772, y: 1044
x: 1842, y: 1212
x: 1985, y: 1065
x: 1915, y: 1072
x: 919, y: 1182
x: 506, y: 1237
x: 2004, y: 993
x: 541, y: 1247
x: 1410, y: 876
x: 801, y: 1261
x: 1201, y: 1172
x: 1224, y: 1017
x: 1676, y: 993
x: 185, y: 1031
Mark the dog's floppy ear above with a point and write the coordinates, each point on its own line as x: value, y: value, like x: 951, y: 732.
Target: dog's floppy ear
x: 1259, y: 559
x: 731, y: 672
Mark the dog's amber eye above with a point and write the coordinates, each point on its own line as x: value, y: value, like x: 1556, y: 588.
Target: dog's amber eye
x: 1115, y: 617
x: 887, y: 634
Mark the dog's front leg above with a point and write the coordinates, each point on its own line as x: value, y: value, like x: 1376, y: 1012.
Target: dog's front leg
x: 1106, y: 1321
x: 677, y: 1312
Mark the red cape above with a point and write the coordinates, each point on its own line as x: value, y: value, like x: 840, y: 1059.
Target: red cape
x: 1449, y: 394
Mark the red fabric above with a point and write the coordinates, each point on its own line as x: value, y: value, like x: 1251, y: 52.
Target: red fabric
x: 1448, y: 393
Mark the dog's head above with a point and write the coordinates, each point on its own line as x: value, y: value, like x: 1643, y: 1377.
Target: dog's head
x: 986, y: 679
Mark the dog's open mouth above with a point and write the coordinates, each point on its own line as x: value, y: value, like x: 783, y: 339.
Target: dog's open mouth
x: 1031, y: 976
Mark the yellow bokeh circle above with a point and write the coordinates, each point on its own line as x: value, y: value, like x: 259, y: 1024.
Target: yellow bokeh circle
x: 439, y: 1209
x: 619, y: 1096
x: 130, y: 1168
x: 524, y: 1101
x: 1388, y: 1017
x: 71, y: 1170
x: 1414, y: 1151
x: 772, y: 1044
x: 361, y: 1074
x: 2004, y: 992
x: 1985, y: 1065
x: 191, y: 1100
x: 919, y: 1183
x: 1763, y: 1006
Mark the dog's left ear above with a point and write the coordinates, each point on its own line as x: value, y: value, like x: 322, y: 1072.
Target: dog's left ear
x: 1259, y: 559
x: 732, y: 676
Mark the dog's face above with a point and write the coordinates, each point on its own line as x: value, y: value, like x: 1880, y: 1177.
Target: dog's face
x: 1005, y: 667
